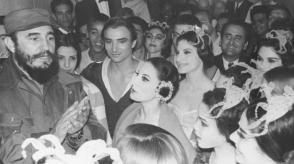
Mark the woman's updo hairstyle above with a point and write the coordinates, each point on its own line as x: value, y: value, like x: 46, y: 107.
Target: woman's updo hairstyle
x: 167, y: 72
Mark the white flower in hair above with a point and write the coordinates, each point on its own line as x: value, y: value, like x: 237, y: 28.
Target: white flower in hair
x: 276, y: 107
x: 283, y: 36
x: 234, y: 95
x: 89, y: 153
x: 164, y: 84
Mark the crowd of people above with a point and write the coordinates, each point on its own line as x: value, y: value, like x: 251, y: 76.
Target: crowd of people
x: 163, y: 82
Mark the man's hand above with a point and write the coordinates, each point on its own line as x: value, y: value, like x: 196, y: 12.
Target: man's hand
x: 73, y: 119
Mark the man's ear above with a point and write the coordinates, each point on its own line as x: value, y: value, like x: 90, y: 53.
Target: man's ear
x: 9, y: 44
x: 134, y: 44
x: 245, y: 46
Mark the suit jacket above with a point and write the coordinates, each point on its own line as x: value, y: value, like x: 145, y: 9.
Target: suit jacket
x: 241, y: 12
x: 86, y: 8
x: 218, y: 61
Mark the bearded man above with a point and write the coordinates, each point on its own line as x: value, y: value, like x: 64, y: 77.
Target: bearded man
x: 32, y: 101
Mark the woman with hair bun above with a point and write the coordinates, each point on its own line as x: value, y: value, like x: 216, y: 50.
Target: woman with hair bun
x: 153, y: 85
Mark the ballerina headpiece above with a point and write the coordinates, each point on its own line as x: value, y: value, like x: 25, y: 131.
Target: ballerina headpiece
x: 89, y: 153
x: 162, y: 25
x: 283, y: 36
x: 234, y: 95
x: 276, y: 107
x: 200, y: 33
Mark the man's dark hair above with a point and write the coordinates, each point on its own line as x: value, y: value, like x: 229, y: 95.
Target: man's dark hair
x: 120, y: 22
x: 97, y: 18
x: 259, y: 10
x: 56, y: 3
x: 138, y: 21
x: 186, y: 19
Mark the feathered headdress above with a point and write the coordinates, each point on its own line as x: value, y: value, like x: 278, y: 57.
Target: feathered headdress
x: 275, y: 107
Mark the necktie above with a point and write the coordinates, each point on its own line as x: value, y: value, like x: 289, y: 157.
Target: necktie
x: 230, y: 65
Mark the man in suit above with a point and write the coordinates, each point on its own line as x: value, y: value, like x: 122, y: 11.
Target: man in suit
x: 234, y: 40
x: 239, y: 9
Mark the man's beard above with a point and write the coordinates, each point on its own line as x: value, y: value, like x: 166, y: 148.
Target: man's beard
x: 41, y: 75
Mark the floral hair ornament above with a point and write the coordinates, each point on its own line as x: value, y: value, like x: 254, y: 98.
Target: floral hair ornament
x: 162, y: 25
x: 276, y: 107
x: 200, y: 33
x: 283, y: 36
x: 234, y: 95
x: 164, y: 84
x: 89, y: 153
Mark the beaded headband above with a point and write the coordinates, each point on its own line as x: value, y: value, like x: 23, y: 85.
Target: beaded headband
x: 283, y: 36
x: 89, y: 153
x: 276, y: 107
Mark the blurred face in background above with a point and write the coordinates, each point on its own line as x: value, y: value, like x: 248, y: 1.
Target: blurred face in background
x: 154, y: 40
x: 67, y: 57
x: 3, y: 50
x: 219, y: 8
x: 95, y: 37
x: 277, y: 14
x: 64, y: 16
x: 260, y: 23
x: 178, y: 30
x: 220, y: 23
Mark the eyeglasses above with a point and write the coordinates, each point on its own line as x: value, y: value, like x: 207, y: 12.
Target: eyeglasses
x: 157, y: 37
